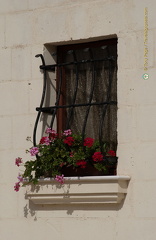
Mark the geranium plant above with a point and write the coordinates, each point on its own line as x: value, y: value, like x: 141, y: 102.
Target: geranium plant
x: 55, y: 155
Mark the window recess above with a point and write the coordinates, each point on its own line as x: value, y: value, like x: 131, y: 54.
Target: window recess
x: 86, y: 90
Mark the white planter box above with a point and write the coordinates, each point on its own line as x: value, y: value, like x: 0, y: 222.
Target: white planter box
x: 79, y: 190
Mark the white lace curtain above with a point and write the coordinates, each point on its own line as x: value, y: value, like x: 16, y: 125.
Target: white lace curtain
x: 83, y: 75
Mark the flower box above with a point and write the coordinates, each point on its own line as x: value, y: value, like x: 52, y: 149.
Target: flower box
x: 79, y: 190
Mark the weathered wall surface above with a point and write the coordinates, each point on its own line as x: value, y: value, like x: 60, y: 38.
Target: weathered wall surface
x: 25, y: 26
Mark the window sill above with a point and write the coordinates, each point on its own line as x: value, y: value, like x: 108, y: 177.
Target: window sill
x: 79, y: 190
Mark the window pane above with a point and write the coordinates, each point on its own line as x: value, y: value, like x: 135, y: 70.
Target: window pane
x: 94, y: 82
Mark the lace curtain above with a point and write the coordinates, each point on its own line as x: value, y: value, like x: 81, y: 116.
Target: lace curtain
x: 95, y: 82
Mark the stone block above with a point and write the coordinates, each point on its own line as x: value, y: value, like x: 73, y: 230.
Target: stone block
x: 126, y: 84
x: 8, y: 170
x: 143, y: 205
x: 133, y: 89
x: 14, y: 98
x: 126, y: 124
x: 6, y: 133
x: 35, y: 4
x: 126, y: 51
x: 30, y: 229
x: 145, y: 163
x: 22, y: 128
x: 5, y: 60
x: 46, y: 26
x: 126, y: 158
x: 146, y: 119
x: 2, y: 30
x: 90, y: 228
x: 133, y: 228
x: 10, y: 6
x: 21, y: 63
x: 19, y: 29
x: 137, y: 159
x: 9, y: 204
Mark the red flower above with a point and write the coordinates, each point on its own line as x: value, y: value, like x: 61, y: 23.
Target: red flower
x: 45, y: 140
x: 81, y: 163
x: 88, y: 142
x: 17, y: 186
x: 111, y: 153
x: 97, y: 157
x: 69, y: 141
x: 18, y: 161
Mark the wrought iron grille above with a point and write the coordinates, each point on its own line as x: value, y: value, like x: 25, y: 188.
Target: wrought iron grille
x: 86, y: 88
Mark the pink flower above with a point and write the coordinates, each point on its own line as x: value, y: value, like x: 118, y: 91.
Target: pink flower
x: 67, y: 132
x: 69, y: 141
x: 52, y: 133
x: 97, y: 157
x: 20, y: 177
x: 60, y: 179
x: 45, y: 140
x: 48, y: 130
x: 18, y: 161
x: 34, y: 151
x: 17, y: 186
x: 88, y: 142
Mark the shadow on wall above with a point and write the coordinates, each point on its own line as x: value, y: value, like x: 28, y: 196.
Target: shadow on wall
x: 31, y: 209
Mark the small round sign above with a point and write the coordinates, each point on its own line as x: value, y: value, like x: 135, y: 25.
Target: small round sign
x: 145, y: 76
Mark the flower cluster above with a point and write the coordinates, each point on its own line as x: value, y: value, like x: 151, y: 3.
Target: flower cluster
x: 18, y: 161
x: 69, y: 141
x: 88, y: 142
x: 81, y: 163
x: 97, y: 157
x: 18, y: 184
x: 34, y: 151
x: 60, y: 179
x: 54, y: 153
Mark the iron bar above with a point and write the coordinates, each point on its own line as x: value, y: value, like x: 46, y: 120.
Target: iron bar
x: 52, y: 67
x: 42, y: 99
x: 76, y: 105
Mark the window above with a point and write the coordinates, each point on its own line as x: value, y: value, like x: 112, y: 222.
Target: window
x: 87, y: 89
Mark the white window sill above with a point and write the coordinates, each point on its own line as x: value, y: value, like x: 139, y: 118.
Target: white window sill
x: 79, y: 190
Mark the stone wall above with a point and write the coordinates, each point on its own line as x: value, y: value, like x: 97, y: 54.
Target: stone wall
x: 25, y: 27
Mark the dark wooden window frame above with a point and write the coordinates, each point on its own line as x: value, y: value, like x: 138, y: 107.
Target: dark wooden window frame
x: 61, y: 51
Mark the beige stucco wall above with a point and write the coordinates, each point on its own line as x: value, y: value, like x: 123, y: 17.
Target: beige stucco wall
x: 25, y: 26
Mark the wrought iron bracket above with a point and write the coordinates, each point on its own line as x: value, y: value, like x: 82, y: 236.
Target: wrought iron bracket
x: 50, y: 68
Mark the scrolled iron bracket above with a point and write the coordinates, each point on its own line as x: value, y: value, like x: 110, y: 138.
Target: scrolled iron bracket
x: 42, y: 98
